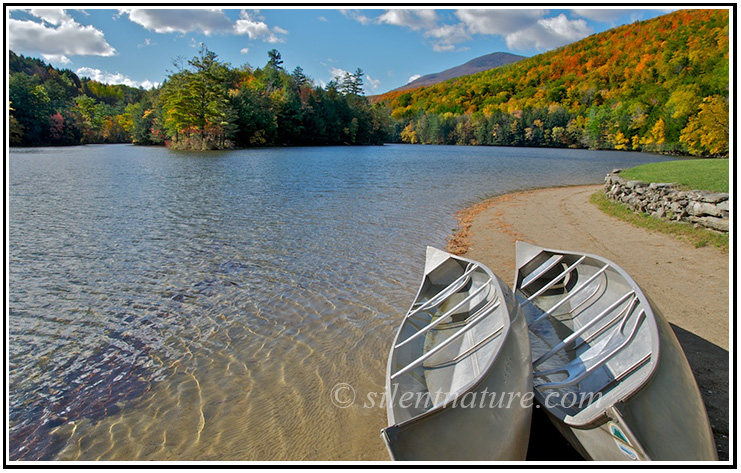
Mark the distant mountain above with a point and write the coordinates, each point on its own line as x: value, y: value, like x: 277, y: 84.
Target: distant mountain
x: 660, y: 85
x: 483, y: 63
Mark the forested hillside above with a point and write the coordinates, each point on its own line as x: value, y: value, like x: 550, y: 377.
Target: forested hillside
x: 56, y: 107
x: 204, y: 104
x: 658, y: 85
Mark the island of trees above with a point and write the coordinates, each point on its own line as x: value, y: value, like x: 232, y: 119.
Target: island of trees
x: 203, y: 104
x: 660, y: 85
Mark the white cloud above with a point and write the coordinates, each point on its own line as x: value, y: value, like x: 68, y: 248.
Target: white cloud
x: 374, y: 83
x: 549, y: 33
x: 562, y: 27
x: 448, y: 36
x: 498, y: 22
x: 413, y: 78
x: 615, y: 16
x: 605, y: 15
x: 337, y: 72
x: 66, y: 38
x: 445, y: 37
x: 524, y: 29
x: 207, y: 21
x: 521, y: 28
x: 244, y: 50
x: 443, y: 48
x: 454, y: 33
x: 355, y: 15
x: 413, y: 19
x: 113, y: 78
x: 53, y: 16
x: 322, y: 19
x: 147, y: 42
x: 250, y: 24
x: 427, y: 16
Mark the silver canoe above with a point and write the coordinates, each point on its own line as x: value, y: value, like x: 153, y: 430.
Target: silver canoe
x: 607, y: 367
x: 459, y: 384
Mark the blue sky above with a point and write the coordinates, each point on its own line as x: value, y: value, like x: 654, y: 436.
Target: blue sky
x: 137, y: 46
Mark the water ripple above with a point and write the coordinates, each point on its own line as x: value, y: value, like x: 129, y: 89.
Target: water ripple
x: 183, y: 306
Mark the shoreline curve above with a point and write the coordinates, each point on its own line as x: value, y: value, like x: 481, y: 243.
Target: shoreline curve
x: 689, y: 285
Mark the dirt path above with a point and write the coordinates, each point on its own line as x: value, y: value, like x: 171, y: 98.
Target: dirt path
x: 689, y: 285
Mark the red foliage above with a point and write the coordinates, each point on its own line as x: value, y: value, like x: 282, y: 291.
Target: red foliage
x: 56, y: 126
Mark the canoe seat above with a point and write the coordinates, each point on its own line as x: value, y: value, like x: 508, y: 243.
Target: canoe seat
x: 541, y: 270
x: 482, y: 313
x: 594, y: 358
x: 444, y: 293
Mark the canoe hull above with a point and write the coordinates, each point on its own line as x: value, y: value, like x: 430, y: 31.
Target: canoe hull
x: 667, y: 417
x: 487, y: 416
x: 662, y: 418
x: 474, y: 426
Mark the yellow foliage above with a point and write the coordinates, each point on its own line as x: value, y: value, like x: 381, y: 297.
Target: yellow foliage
x: 278, y: 96
x: 707, y: 132
x: 684, y: 101
x: 658, y: 131
x: 619, y: 141
x: 408, y: 135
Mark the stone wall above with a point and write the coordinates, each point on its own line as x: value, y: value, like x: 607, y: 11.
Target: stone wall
x: 667, y: 201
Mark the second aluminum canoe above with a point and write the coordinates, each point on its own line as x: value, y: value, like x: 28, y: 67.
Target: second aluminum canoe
x: 608, y: 368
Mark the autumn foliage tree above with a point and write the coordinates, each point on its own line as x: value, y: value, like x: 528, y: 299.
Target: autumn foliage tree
x: 210, y: 105
x: 706, y: 132
x: 196, y: 104
x: 659, y: 85
x: 56, y: 107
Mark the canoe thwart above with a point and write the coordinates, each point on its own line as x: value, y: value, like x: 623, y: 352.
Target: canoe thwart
x: 568, y: 296
x: 445, y: 316
x: 625, y: 313
x: 580, y: 368
x: 446, y: 292
x: 541, y: 270
x: 469, y: 325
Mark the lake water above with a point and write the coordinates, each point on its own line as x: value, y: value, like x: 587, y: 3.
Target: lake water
x: 203, y: 306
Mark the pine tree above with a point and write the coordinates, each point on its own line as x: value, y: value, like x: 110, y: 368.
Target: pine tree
x: 274, y: 60
x: 196, y: 103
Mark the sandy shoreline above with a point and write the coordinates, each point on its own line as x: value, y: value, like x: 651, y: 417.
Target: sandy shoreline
x: 689, y: 285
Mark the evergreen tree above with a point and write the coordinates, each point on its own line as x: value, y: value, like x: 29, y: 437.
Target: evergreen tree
x: 196, y: 104
x: 274, y: 60
x: 356, y: 87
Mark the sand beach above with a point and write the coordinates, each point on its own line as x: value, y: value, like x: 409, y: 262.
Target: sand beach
x: 689, y: 285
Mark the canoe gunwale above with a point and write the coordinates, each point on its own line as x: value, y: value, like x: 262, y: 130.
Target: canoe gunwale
x: 452, y: 398
x: 597, y: 413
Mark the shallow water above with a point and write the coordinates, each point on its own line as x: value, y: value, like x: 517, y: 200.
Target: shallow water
x: 204, y: 306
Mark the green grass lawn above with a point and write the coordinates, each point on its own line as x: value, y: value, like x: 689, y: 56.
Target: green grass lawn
x: 698, y: 237
x: 703, y: 174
